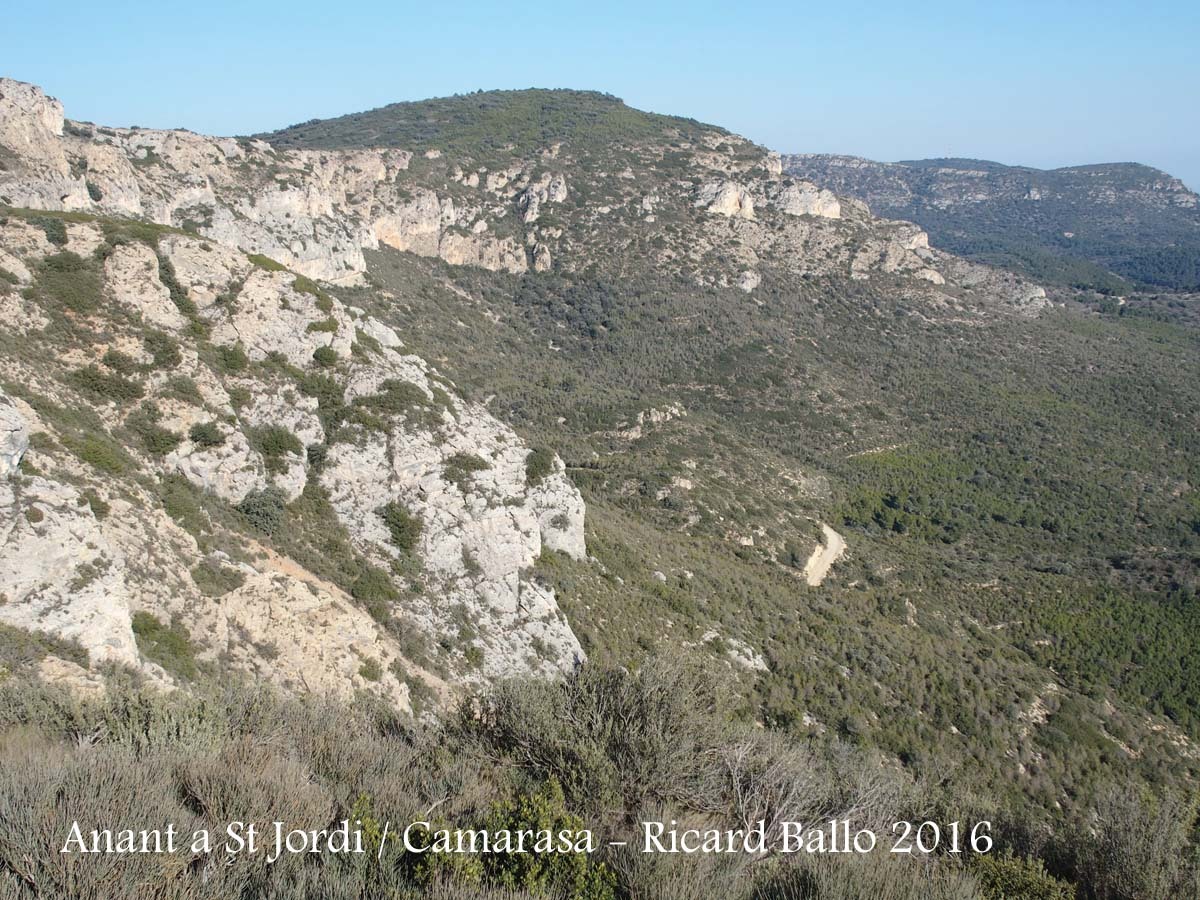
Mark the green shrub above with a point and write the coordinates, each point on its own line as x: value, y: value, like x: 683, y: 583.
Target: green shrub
x: 265, y: 262
x: 232, y: 358
x: 121, y: 363
x: 538, y: 465
x: 20, y: 649
x: 239, y: 396
x: 181, y: 387
x: 163, y: 348
x: 275, y: 443
x: 574, y: 875
x: 395, y: 398
x: 104, y: 386
x: 53, y: 227
x: 370, y: 669
x: 179, y: 501
x: 375, y: 591
x: 474, y: 656
x: 155, y: 440
x: 216, y: 580
x: 325, y: 357
x: 100, y: 509
x: 322, y: 326
x: 1002, y: 876
x: 459, y: 469
x: 206, y: 434
x: 169, y: 646
x: 99, y: 451
x: 71, y: 281
x: 403, y: 527
x: 265, y: 510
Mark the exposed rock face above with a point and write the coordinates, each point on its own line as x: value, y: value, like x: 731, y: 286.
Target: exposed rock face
x: 318, y: 211
x: 548, y: 189
x: 313, y: 211
x: 804, y: 198
x: 58, y: 573
x: 401, y: 438
x: 725, y: 198
x: 132, y: 275
x: 14, y: 437
x: 748, y: 281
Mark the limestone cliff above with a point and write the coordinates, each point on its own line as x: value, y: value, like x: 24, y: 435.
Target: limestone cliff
x: 195, y: 441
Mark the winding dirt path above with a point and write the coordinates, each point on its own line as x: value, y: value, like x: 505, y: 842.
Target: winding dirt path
x: 824, y: 557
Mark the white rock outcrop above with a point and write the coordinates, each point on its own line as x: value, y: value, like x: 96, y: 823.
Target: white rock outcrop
x: 14, y: 437
x: 805, y: 199
x: 726, y: 198
x: 58, y: 573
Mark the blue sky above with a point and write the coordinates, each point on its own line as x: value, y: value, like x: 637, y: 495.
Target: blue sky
x: 1044, y: 84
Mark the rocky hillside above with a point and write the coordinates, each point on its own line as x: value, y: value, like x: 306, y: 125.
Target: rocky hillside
x: 694, y: 199
x: 208, y: 461
x: 213, y: 460
x: 326, y: 405
x: 1113, y: 226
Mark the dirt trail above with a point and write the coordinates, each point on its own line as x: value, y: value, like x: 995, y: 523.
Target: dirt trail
x: 824, y: 557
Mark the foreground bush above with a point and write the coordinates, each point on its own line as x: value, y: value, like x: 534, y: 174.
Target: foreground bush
x: 602, y: 749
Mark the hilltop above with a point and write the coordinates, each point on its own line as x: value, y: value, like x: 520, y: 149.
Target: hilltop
x: 490, y: 121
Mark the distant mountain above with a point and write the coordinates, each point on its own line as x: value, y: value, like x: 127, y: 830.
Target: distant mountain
x: 1111, y: 227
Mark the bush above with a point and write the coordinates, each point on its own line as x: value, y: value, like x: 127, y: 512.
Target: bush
x: 370, y: 669
x: 169, y: 646
x: 574, y: 875
x: 54, y: 228
x: 539, y: 464
x: 275, y: 443
x: 1002, y: 876
x: 121, y: 363
x: 206, y: 434
x: 322, y: 326
x: 216, y: 580
x: 71, y: 281
x: 395, y: 398
x: 163, y: 348
x: 101, y: 452
x: 155, y: 440
x: 459, y: 469
x: 265, y: 510
x: 265, y: 262
x: 403, y: 526
x: 375, y: 591
x: 325, y: 357
x: 103, y: 385
x: 232, y: 358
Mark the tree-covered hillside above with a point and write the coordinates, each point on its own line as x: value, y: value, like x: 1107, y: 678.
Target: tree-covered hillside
x: 467, y: 124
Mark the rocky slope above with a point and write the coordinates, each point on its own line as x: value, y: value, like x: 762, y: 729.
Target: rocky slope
x: 212, y: 460
x: 1129, y: 219
x: 705, y: 203
x: 176, y: 414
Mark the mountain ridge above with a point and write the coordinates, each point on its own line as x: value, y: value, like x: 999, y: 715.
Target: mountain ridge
x: 1113, y: 227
